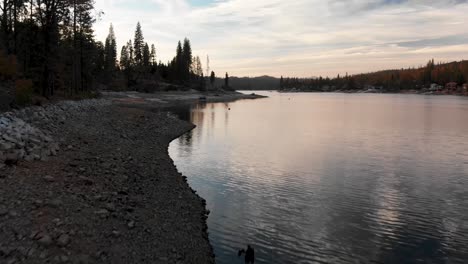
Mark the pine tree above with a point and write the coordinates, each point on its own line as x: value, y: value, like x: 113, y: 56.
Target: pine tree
x: 226, y: 81
x: 198, y: 69
x: 153, y: 55
x: 124, y: 58
x: 131, y: 53
x: 202, y: 83
x: 187, y: 59
x: 212, y: 79
x: 138, y: 44
x: 146, y: 56
x: 179, y: 63
x: 110, y: 51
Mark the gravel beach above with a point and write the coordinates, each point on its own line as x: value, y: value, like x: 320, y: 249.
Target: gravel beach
x: 92, y: 182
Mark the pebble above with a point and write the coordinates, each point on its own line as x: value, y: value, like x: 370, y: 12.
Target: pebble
x: 49, y: 178
x: 3, y: 211
x: 110, y: 207
x: 44, y: 254
x: 86, y: 180
x: 55, y: 203
x: 11, y: 261
x: 103, y: 213
x: 64, y: 258
x: 45, y: 240
x: 131, y: 224
x: 31, y: 252
x: 13, y: 213
x: 63, y: 240
x: 82, y: 259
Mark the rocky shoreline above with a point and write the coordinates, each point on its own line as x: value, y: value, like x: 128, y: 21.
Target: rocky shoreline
x: 92, y: 182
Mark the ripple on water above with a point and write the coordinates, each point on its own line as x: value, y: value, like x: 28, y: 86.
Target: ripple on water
x: 343, y: 181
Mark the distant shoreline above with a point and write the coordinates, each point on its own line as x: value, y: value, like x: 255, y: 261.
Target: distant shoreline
x: 376, y: 92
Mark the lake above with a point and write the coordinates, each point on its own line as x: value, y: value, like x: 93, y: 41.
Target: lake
x: 332, y: 178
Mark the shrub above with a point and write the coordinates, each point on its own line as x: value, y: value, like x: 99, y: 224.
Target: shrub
x: 8, y: 66
x: 24, y: 90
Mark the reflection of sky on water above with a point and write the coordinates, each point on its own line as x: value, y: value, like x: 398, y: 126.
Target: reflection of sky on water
x: 331, y: 177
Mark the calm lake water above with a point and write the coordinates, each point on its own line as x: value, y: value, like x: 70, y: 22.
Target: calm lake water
x: 332, y: 178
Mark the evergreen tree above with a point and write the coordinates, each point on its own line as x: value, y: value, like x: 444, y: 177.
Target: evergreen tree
x: 198, y: 68
x: 153, y: 55
x: 146, y: 56
x: 110, y: 49
x: 186, y: 59
x: 202, y: 82
x: 212, y: 79
x: 138, y: 44
x: 226, y: 81
x: 124, y: 58
x: 131, y: 53
x: 178, y: 63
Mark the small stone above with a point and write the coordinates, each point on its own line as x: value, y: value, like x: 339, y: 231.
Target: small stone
x: 3, y: 211
x: 86, y: 180
x: 63, y: 258
x: 49, y: 178
x: 38, y: 203
x: 44, y: 254
x: 102, y: 213
x: 55, y: 203
x: 110, y: 207
x: 63, y: 240
x: 5, y: 146
x: 82, y: 259
x: 45, y: 240
x: 116, y: 233
x: 29, y: 158
x: 13, y: 213
x: 22, y: 250
x: 131, y: 224
x: 5, y: 251
x: 11, y: 261
x: 31, y: 252
x: 57, y: 222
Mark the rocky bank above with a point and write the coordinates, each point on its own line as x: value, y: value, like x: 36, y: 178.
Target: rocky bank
x: 92, y: 182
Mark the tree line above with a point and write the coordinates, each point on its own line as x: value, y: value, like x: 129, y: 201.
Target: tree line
x: 49, y: 45
x: 49, y: 42
x: 388, y: 80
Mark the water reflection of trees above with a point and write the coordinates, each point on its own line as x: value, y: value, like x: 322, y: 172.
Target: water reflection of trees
x: 197, y: 114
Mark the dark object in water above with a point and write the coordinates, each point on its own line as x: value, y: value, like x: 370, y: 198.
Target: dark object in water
x: 202, y: 98
x: 249, y: 254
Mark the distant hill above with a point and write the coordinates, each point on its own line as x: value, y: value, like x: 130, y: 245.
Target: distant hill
x: 251, y: 83
x: 388, y: 80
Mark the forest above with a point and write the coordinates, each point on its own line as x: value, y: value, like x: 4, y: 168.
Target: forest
x: 388, y: 80
x: 47, y: 48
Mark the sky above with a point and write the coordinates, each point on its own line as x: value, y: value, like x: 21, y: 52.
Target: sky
x: 301, y: 38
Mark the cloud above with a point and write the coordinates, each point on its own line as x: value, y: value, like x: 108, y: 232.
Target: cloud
x: 301, y: 37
